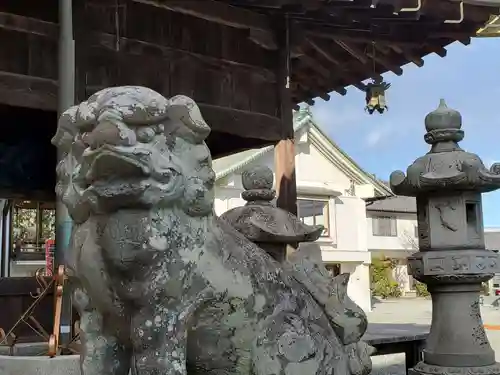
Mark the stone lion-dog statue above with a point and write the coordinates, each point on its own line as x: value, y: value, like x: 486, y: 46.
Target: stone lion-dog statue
x: 164, y: 286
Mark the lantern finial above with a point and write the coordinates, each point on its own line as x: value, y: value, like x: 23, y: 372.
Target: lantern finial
x: 443, y: 117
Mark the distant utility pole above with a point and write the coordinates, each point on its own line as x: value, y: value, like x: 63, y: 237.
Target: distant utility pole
x: 66, y: 98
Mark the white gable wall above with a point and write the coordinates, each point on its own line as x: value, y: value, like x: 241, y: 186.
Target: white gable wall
x: 365, y: 191
x: 312, y: 165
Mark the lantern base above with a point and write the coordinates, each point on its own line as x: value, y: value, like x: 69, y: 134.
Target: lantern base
x: 423, y: 368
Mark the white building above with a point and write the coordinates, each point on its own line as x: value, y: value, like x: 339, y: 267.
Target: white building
x: 392, y: 233
x: 330, y: 187
x: 492, y: 239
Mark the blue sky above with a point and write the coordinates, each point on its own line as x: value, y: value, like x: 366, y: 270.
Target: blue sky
x: 468, y: 78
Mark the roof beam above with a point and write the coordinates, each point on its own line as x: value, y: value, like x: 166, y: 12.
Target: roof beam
x: 346, y: 34
x: 223, y: 14
x: 216, y: 11
x: 49, y: 30
x: 322, y: 50
x: 29, y: 25
x: 140, y: 47
x: 41, y: 93
x: 28, y: 91
x: 366, y: 36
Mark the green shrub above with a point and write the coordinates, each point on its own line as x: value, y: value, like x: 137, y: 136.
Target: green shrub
x: 387, y: 289
x: 421, y: 289
x: 382, y: 283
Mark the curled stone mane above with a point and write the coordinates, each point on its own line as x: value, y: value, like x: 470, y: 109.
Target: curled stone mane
x: 127, y: 146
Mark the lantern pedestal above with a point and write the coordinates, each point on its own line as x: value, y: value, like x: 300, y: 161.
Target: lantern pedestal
x: 457, y: 342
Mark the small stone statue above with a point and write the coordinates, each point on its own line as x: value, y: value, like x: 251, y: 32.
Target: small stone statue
x: 163, y: 285
x: 262, y: 222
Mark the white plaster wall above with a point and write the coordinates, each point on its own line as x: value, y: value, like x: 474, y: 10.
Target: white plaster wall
x: 311, y: 165
x: 364, y: 191
x: 357, y: 264
x: 227, y: 197
x: 358, y: 288
x: 350, y: 223
x: 405, y: 238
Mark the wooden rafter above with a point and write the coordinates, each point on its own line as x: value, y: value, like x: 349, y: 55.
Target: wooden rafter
x: 216, y: 11
x: 353, y: 51
x: 323, y: 51
x: 408, y: 55
x: 29, y: 25
x: 396, y: 69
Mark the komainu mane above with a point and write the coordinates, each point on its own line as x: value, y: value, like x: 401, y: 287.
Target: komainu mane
x: 164, y: 286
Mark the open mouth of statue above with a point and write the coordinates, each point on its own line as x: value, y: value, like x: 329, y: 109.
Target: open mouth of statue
x: 109, y: 164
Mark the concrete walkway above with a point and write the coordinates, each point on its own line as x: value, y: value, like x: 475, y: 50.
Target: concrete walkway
x: 403, y: 316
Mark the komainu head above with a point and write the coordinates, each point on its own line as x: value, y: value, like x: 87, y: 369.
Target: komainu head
x: 130, y: 147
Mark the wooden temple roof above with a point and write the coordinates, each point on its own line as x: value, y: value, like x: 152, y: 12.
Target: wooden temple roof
x: 227, y: 54
x: 334, y: 43
x: 337, y: 43
x: 241, y: 60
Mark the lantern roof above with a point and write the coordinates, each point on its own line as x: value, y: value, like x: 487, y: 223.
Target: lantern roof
x: 446, y: 167
x: 260, y: 220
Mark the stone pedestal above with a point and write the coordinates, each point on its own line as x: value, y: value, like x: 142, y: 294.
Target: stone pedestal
x: 457, y: 337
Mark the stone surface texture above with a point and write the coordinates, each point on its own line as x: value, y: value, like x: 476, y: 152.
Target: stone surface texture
x: 30, y: 359
x: 39, y: 365
x: 162, y: 284
x: 452, y: 261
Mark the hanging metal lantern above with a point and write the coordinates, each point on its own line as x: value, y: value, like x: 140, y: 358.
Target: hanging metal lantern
x: 375, y: 96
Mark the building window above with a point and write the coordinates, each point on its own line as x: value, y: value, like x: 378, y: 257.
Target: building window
x: 384, y: 226
x: 314, y: 212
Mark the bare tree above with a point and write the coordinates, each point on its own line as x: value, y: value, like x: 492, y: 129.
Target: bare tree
x: 410, y: 241
x: 400, y: 274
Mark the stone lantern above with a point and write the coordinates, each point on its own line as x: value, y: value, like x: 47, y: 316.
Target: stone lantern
x: 259, y: 220
x: 447, y: 183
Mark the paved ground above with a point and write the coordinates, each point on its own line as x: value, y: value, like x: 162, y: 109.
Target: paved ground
x: 414, y: 315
